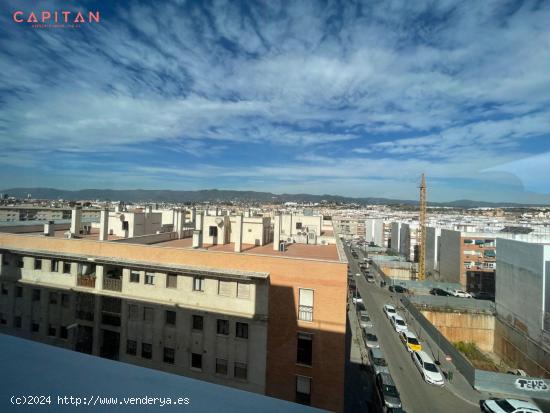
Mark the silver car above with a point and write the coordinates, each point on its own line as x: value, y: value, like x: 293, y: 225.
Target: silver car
x: 371, y: 340
x: 365, y: 320
x: 377, y: 361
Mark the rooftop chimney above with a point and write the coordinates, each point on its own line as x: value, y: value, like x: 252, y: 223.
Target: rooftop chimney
x: 104, y: 225
x: 76, y: 220
x: 238, y: 233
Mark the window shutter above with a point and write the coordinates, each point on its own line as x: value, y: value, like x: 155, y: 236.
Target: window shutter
x: 243, y: 290
x: 306, y: 297
x: 224, y: 288
x: 303, y: 384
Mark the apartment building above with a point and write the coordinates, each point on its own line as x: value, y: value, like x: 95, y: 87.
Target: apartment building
x: 34, y: 213
x: 375, y: 231
x: 266, y: 321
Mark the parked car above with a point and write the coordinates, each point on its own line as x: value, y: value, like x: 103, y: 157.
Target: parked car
x: 398, y: 289
x: 429, y: 371
x: 398, y: 323
x: 439, y: 291
x: 370, y: 278
x: 360, y: 306
x: 378, y: 361
x: 410, y: 341
x: 370, y: 338
x: 364, y: 320
x: 356, y: 299
x: 389, y: 310
x: 495, y: 405
x: 387, y: 391
x: 461, y: 294
x: 483, y: 295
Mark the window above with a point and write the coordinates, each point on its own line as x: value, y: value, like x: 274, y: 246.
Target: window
x: 19, y: 263
x: 243, y: 290
x: 169, y: 355
x: 36, y: 295
x: 65, y: 300
x: 54, y: 265
x: 133, y: 312
x: 63, y: 332
x: 305, y: 310
x: 131, y: 347
x: 304, y: 349
x: 241, y: 330
x: 298, y: 225
x: 223, y: 327
x: 170, y: 317
x: 4, y: 290
x: 303, y: 390
x: 17, y: 321
x: 134, y: 276
x: 213, y: 231
x: 2, y: 319
x: 196, y: 361
x: 197, y: 322
x: 240, y: 370
x: 171, y: 281
x: 53, y: 298
x: 19, y: 292
x: 51, y: 330
x: 147, y: 314
x: 37, y: 264
x: 125, y: 225
x: 35, y: 327
x: 221, y: 366
x: 224, y: 288
x: 146, y: 350
x: 66, y: 268
x: 198, y: 284
x: 149, y: 278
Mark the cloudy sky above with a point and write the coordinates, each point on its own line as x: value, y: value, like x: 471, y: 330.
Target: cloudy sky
x: 344, y: 98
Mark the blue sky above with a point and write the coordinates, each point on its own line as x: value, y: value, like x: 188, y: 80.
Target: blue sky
x: 346, y: 98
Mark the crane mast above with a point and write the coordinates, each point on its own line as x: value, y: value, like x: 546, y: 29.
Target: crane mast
x: 421, y: 235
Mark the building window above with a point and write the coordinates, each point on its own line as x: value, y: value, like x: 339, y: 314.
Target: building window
x: 133, y: 312
x: 224, y: 288
x: 304, y: 349
x: 37, y: 264
x: 298, y: 225
x: 36, y: 295
x: 146, y: 350
x: 223, y: 327
x: 241, y: 330
x: 65, y: 300
x: 54, y: 265
x: 243, y: 290
x: 53, y: 298
x: 196, y: 361
x: 35, y: 327
x: 213, y: 231
x: 303, y: 390
x: 170, y: 318
x: 169, y: 355
x: 221, y: 366
x: 2, y: 319
x: 134, y: 276
x: 198, y: 284
x: 19, y: 263
x: 305, y: 310
x: 198, y: 322
x: 66, y: 268
x: 149, y: 278
x: 131, y: 347
x: 63, y: 332
x: 240, y: 370
x: 171, y: 281
x: 147, y: 314
x: 125, y: 225
x: 4, y: 290
x: 17, y: 321
x: 51, y: 330
x: 19, y: 292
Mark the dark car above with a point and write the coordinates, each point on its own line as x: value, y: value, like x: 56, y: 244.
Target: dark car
x: 439, y: 291
x: 483, y: 295
x: 398, y: 289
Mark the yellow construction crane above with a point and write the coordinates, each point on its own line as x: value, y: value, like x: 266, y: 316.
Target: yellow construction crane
x: 421, y: 234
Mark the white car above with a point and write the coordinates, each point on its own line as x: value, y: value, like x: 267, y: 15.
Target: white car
x: 389, y: 310
x: 461, y: 294
x: 398, y: 323
x: 364, y: 320
x: 507, y: 406
x: 429, y: 371
x: 357, y: 299
x: 358, y: 274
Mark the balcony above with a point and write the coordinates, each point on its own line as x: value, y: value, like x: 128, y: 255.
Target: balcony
x: 85, y: 281
x: 305, y: 313
x: 112, y: 284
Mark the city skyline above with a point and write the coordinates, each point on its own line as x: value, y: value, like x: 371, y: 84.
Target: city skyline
x: 352, y: 100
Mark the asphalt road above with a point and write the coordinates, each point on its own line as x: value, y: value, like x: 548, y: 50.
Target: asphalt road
x: 417, y: 396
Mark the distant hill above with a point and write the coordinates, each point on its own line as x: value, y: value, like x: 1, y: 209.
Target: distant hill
x: 216, y: 195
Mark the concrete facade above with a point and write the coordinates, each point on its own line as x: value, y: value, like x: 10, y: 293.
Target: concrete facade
x: 395, y: 236
x: 126, y: 224
x: 450, y: 256
x: 374, y: 231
